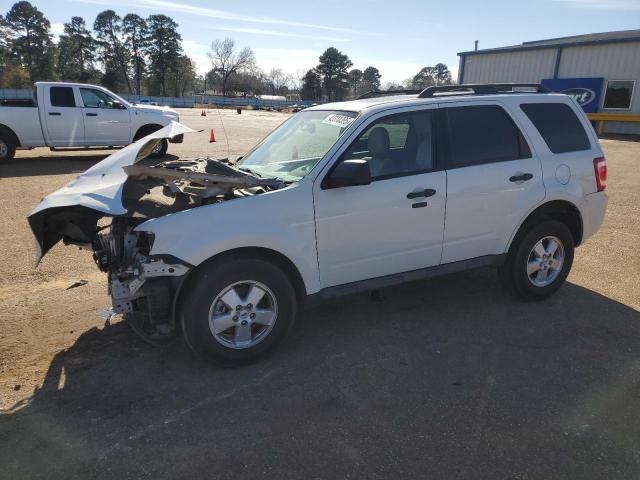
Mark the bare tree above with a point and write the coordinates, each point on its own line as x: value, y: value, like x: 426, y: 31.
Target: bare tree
x: 278, y: 80
x: 226, y: 62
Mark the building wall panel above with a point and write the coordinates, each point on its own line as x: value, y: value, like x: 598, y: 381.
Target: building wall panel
x: 522, y: 67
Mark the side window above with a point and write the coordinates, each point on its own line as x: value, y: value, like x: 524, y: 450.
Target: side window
x: 95, y: 98
x: 558, y: 126
x: 396, y: 145
x: 483, y: 134
x: 62, y: 97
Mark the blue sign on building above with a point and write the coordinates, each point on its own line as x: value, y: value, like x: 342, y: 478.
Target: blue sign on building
x: 586, y: 91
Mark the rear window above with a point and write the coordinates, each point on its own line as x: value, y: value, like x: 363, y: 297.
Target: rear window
x: 559, y: 126
x: 484, y: 134
x: 62, y: 97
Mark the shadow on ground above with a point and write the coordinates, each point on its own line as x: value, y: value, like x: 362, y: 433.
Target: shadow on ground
x: 56, y: 164
x: 446, y: 378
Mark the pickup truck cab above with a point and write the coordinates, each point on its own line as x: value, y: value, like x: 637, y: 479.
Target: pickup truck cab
x: 77, y: 115
x: 341, y: 198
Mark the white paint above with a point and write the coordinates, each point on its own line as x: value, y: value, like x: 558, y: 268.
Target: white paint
x: 354, y: 233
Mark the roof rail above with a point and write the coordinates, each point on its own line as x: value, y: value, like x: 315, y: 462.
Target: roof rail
x: 482, y: 89
x: 386, y: 93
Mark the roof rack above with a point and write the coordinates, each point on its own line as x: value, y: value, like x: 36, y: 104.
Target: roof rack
x: 482, y: 89
x: 386, y: 93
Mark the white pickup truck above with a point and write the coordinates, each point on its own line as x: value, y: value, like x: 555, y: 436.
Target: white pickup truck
x: 62, y: 115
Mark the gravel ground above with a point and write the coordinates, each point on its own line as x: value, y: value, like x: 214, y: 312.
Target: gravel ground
x: 445, y: 378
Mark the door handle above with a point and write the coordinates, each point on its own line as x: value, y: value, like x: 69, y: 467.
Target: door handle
x: 55, y: 114
x: 418, y: 204
x: 91, y: 114
x: 521, y: 177
x: 427, y: 192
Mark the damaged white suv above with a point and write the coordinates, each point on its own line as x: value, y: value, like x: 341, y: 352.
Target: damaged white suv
x: 341, y: 198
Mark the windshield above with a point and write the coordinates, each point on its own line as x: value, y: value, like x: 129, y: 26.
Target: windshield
x: 293, y: 149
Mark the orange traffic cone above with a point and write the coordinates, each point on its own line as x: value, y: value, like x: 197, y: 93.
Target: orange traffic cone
x: 212, y: 137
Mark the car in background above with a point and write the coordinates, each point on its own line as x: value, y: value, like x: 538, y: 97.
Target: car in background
x: 62, y: 115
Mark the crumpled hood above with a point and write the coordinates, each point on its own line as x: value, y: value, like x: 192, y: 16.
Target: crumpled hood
x: 99, y: 189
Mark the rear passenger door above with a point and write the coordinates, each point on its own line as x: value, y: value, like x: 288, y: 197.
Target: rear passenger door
x: 493, y: 179
x: 63, y: 118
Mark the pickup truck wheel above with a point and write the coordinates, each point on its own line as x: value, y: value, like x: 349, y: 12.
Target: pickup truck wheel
x: 7, y: 149
x: 538, y: 263
x: 161, y: 149
x: 238, y: 310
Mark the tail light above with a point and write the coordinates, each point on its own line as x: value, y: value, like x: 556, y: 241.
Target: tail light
x: 600, y: 168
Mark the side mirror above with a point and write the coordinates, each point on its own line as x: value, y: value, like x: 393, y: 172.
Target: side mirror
x: 349, y: 173
x: 118, y: 106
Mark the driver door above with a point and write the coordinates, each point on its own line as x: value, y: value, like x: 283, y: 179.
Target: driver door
x: 396, y: 223
x: 105, y: 122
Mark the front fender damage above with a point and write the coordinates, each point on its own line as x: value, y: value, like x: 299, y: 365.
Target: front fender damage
x: 100, y: 210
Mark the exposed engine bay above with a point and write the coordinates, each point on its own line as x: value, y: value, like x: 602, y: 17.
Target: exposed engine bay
x: 101, y: 208
x: 141, y: 287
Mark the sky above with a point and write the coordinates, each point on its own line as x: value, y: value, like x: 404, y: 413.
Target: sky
x: 399, y: 37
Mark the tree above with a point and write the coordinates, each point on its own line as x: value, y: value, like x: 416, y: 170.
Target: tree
x: 75, y: 51
x: 426, y: 77
x: 371, y: 78
x: 108, y: 28
x: 182, y: 76
x: 429, y: 76
x: 333, y: 68
x: 14, y: 76
x: 391, y: 86
x: 442, y: 74
x: 31, y: 45
x: 136, y: 33
x: 226, y: 62
x: 355, y: 77
x: 277, y: 81
x: 4, y: 43
x: 311, y: 86
x: 163, y: 50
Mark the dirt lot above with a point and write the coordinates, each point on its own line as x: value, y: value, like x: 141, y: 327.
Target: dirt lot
x: 446, y: 378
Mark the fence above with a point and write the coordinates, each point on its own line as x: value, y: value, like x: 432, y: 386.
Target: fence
x: 15, y: 94
x: 184, y: 102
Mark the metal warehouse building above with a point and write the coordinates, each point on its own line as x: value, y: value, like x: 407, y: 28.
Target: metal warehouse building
x: 600, y: 70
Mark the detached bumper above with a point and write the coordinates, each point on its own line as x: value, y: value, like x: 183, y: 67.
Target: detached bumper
x: 177, y: 138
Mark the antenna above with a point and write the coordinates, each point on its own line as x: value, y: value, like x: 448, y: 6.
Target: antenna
x: 226, y: 138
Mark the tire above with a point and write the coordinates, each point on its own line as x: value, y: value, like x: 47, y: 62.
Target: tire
x: 7, y: 148
x: 161, y: 150
x: 527, y: 273
x: 204, y: 300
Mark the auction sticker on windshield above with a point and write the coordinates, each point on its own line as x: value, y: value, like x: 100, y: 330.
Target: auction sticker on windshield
x: 338, y: 120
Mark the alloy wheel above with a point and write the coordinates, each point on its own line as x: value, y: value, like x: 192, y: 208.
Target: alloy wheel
x: 545, y: 261
x: 243, y: 314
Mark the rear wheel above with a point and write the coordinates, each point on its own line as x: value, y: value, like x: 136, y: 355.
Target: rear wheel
x: 237, y: 310
x: 7, y: 149
x: 539, y: 261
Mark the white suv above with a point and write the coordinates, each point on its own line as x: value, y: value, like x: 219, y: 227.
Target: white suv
x: 341, y: 198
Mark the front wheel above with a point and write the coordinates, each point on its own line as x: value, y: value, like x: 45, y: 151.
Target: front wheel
x: 237, y: 310
x: 160, y: 149
x: 539, y: 261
